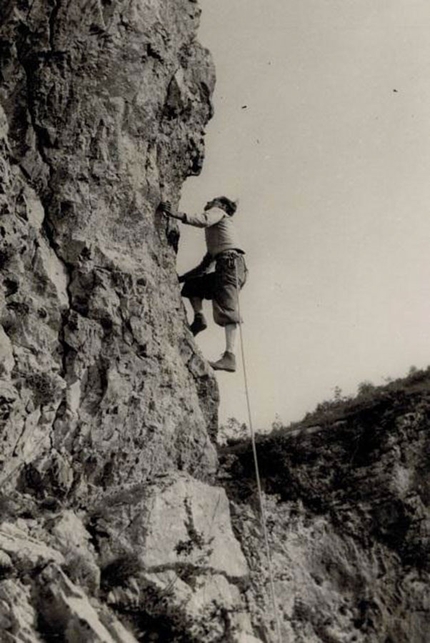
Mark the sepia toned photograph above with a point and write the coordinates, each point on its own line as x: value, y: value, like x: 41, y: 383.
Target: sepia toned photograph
x: 214, y: 321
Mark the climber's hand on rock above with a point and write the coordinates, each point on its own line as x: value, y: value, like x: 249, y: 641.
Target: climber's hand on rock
x: 166, y: 207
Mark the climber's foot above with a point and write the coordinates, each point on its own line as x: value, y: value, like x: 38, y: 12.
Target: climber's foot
x: 198, y: 324
x: 226, y: 363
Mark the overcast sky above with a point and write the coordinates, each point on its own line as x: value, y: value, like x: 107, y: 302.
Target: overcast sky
x: 322, y: 130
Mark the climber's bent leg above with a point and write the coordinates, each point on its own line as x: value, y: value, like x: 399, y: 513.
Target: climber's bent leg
x: 196, y: 290
x: 196, y: 304
x: 199, y: 322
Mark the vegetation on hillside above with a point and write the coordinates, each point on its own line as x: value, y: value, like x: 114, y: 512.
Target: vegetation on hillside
x: 338, y: 408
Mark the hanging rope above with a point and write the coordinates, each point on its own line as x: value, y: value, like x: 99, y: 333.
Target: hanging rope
x: 257, y: 471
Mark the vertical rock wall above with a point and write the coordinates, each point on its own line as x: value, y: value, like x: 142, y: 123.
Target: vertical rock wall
x: 103, y: 111
x: 106, y: 405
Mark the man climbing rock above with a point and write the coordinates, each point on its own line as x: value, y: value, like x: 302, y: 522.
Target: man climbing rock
x: 222, y: 285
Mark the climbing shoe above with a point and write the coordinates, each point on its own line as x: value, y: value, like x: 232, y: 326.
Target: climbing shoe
x: 198, y: 324
x: 226, y: 363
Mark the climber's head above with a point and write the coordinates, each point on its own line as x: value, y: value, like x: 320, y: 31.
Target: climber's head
x: 223, y: 203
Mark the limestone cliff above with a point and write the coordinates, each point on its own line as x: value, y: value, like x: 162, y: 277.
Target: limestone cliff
x: 110, y: 528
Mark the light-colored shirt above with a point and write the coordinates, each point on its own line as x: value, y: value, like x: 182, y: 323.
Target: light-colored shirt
x: 220, y: 232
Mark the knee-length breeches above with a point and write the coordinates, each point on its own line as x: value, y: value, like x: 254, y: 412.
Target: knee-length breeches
x: 221, y: 286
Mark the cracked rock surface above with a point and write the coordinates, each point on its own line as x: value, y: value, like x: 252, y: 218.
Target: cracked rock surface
x: 103, y: 392
x: 103, y: 110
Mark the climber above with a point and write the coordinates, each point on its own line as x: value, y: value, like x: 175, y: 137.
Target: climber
x: 221, y: 286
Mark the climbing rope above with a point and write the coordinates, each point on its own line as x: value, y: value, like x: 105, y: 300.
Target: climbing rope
x: 257, y: 470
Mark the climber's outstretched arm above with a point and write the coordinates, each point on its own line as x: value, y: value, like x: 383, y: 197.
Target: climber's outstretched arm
x: 203, y: 220
x: 199, y: 270
x: 166, y: 207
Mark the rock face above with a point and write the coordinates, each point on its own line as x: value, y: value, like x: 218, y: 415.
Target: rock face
x: 103, y: 110
x: 104, y: 396
x: 348, y: 510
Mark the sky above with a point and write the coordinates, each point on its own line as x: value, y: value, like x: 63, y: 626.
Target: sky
x: 322, y: 131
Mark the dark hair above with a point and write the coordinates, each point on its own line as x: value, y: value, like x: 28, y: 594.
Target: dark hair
x: 227, y: 205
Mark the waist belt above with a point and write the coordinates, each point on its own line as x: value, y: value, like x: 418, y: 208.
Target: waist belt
x: 225, y: 254
x: 228, y: 259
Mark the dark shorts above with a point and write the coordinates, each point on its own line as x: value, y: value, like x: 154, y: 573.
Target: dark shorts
x: 221, y: 286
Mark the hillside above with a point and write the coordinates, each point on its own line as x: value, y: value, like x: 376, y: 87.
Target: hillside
x: 347, y: 495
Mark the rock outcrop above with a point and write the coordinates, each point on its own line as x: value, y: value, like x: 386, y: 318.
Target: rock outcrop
x: 348, y: 512
x: 107, y: 406
x: 104, y: 106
